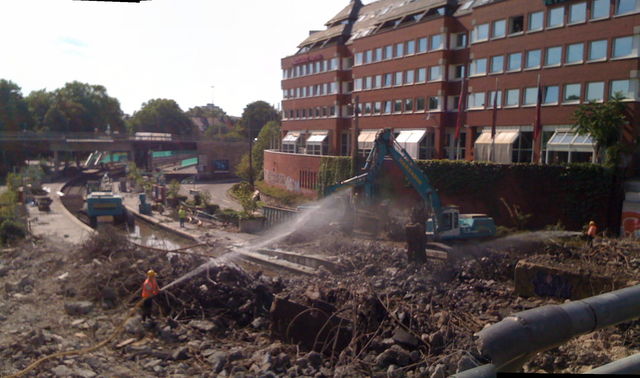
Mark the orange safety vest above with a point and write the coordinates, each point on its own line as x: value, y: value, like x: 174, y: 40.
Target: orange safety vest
x: 150, y: 288
x: 592, y: 231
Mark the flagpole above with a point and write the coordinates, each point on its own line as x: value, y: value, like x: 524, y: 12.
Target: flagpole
x: 493, y: 122
x: 537, y: 127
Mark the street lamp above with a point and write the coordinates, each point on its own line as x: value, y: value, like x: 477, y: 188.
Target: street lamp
x: 354, y: 137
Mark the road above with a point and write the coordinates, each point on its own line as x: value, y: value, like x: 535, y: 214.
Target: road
x: 218, y: 191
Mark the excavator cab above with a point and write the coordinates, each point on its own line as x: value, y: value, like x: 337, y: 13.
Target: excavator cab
x: 449, y: 225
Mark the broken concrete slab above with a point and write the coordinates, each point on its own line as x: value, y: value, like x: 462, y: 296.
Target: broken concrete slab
x: 536, y: 279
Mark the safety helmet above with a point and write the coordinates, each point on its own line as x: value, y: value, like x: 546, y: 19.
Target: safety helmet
x: 592, y: 223
x: 151, y: 273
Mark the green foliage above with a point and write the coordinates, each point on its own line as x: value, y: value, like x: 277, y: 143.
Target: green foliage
x: 14, y: 112
x: 255, y: 116
x: 282, y: 196
x: 228, y: 216
x: 333, y: 169
x: 243, y: 171
x: 174, y: 189
x: 162, y: 116
x: 604, y: 122
x: 268, y: 138
x: 77, y: 107
x: 243, y: 193
x: 39, y: 103
x: 455, y: 176
x: 11, y: 230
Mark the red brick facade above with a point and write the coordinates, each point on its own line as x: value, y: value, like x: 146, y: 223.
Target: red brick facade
x: 586, y: 49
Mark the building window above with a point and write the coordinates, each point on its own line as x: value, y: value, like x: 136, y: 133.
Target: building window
x: 622, y: 88
x: 378, y: 82
x: 516, y: 24
x: 571, y: 93
x: 478, y: 67
x: 357, y: 84
x: 411, y: 47
x: 436, y: 42
x: 368, y: 82
x: 476, y: 100
x: 513, y: 97
x: 577, y: 13
x: 551, y: 94
x: 499, y: 28
x: 388, y: 52
x: 388, y: 79
x: 334, y: 64
x: 422, y: 45
x: 598, y: 50
x: 627, y: 6
x: 492, y: 99
x: 377, y: 107
x: 367, y: 108
x: 497, y: 64
x: 419, y: 104
x: 422, y: 75
x: 553, y: 56
x: 600, y: 9
x: 515, y: 62
x: 623, y: 47
x: 595, y: 91
x: 575, y: 53
x: 434, y: 103
x: 397, y: 106
x: 398, y: 78
x: 530, y: 96
x: 460, y: 40
x: 386, y: 106
x: 332, y: 111
x: 556, y: 17
x: 533, y: 59
x: 408, y: 105
x: 480, y: 33
x: 409, y: 77
x: 378, y: 55
x: 435, y: 73
x: 399, y: 50
x: 536, y: 21
x: 459, y: 71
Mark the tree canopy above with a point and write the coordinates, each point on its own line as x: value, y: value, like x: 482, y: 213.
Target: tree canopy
x: 604, y: 122
x: 256, y: 115
x: 14, y: 112
x: 268, y: 138
x: 162, y: 116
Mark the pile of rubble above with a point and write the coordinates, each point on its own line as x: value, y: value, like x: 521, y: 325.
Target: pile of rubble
x: 377, y: 316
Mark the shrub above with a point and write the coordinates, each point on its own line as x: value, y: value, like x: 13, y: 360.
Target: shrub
x: 11, y: 230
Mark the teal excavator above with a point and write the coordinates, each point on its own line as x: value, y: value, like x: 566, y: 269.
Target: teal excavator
x: 444, y: 222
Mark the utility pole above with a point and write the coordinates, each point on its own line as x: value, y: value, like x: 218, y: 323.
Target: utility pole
x: 354, y: 137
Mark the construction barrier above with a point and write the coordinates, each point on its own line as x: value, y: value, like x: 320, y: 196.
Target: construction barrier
x: 276, y: 215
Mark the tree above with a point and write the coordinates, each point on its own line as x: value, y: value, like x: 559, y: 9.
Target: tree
x: 14, y: 113
x: 39, y: 103
x: 604, y: 122
x: 76, y: 107
x: 256, y: 115
x: 268, y: 137
x: 162, y: 116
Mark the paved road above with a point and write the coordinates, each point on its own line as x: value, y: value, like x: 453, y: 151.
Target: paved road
x: 218, y: 191
x: 57, y: 223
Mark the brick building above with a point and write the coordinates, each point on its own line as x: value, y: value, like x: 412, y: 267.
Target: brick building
x: 404, y: 64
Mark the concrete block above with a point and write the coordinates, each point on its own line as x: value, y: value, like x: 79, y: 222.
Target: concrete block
x: 535, y: 279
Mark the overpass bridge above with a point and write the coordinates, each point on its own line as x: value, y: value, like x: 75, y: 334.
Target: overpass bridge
x: 137, y: 146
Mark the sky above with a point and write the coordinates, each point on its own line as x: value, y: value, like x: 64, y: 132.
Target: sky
x: 176, y: 49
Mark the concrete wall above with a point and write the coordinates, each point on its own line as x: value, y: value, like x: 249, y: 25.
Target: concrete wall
x: 297, y: 173
x: 208, y: 151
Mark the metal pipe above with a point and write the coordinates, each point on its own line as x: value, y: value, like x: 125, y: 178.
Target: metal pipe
x: 536, y: 330
x: 483, y: 371
x: 628, y: 365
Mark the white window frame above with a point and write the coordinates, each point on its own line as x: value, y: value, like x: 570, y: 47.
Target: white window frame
x: 476, y: 29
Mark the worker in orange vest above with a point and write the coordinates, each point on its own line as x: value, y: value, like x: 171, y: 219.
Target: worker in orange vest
x: 591, y: 232
x: 149, y: 290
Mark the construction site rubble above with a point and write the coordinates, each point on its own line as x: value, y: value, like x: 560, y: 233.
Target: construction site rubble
x: 377, y: 315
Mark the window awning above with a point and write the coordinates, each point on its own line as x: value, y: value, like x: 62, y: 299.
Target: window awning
x: 502, y: 146
x: 566, y: 140
x: 366, y: 139
x: 317, y: 137
x: 291, y: 137
x: 410, y: 141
